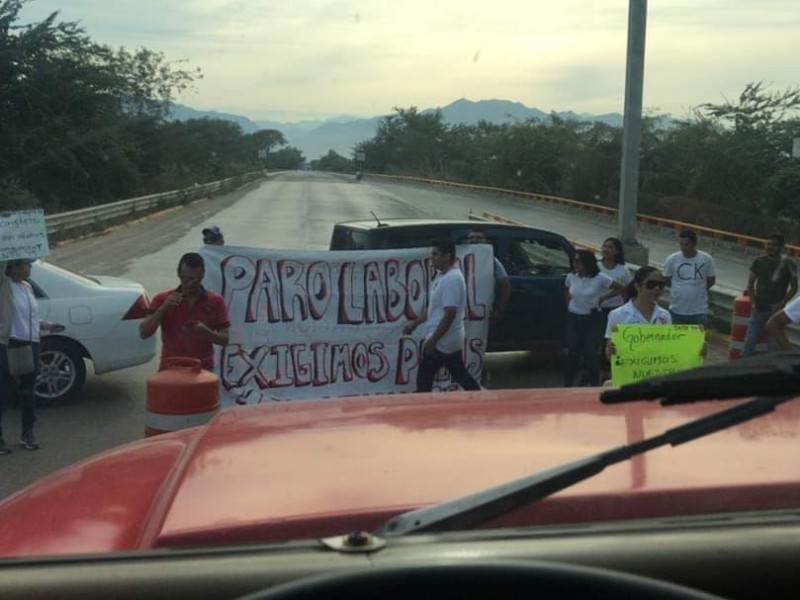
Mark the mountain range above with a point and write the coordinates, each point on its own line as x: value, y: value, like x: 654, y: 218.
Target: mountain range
x: 316, y: 137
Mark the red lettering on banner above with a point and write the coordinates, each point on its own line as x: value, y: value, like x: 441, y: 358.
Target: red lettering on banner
x: 360, y: 361
x: 473, y: 359
x: 350, y: 313
x: 321, y: 372
x: 282, y: 378
x: 417, y: 279
x: 340, y: 364
x: 475, y: 310
x: 395, y: 292
x: 244, y: 279
x: 302, y: 368
x: 408, y: 353
x: 293, y: 290
x: 375, y: 374
x: 374, y: 294
x: 237, y: 373
x: 319, y: 288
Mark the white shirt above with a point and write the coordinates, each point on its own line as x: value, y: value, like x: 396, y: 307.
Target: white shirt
x: 629, y: 314
x: 792, y: 310
x: 621, y: 275
x: 449, y: 291
x: 688, y: 282
x: 585, y: 292
x: 25, y: 317
x: 499, y: 271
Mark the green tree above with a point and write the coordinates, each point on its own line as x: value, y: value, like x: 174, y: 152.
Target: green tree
x: 752, y: 143
x: 286, y: 158
x: 333, y: 162
x: 72, y: 111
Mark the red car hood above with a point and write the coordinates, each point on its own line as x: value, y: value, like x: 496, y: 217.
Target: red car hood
x: 313, y: 469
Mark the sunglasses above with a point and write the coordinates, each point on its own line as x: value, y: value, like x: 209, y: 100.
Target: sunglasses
x: 653, y: 284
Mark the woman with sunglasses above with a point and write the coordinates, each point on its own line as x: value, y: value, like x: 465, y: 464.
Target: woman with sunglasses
x: 586, y: 287
x: 642, y: 308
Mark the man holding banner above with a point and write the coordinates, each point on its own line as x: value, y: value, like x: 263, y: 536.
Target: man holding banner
x: 445, y: 334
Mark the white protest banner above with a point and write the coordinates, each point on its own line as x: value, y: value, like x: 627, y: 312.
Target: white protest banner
x: 311, y: 324
x: 23, y: 234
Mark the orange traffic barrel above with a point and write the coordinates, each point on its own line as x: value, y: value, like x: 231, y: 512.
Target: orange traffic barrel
x: 742, y: 308
x: 182, y: 395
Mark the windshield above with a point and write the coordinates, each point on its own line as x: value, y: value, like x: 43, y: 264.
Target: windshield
x: 202, y: 153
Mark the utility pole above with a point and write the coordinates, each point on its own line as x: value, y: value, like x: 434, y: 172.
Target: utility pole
x: 632, y: 134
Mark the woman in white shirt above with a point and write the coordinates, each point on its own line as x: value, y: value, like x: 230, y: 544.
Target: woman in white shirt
x: 586, y: 288
x: 612, y: 264
x: 20, y: 317
x: 642, y: 308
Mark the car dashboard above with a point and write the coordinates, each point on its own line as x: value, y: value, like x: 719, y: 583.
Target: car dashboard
x: 738, y: 555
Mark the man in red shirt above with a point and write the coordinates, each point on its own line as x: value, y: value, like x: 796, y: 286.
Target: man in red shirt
x: 191, y: 318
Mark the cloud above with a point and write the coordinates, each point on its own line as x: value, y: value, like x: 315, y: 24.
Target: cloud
x: 363, y: 56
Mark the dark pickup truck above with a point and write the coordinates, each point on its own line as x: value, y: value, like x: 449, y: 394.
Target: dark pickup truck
x: 537, y: 261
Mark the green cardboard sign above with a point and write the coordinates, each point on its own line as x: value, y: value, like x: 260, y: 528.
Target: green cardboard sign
x: 644, y: 351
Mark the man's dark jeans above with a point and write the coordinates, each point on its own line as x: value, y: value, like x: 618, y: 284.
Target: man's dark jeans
x: 454, y: 363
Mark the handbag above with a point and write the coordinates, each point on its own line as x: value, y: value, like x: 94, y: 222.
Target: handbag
x: 20, y: 352
x: 20, y: 359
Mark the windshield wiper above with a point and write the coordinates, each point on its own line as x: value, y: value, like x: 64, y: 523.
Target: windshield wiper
x: 472, y: 510
x: 777, y: 373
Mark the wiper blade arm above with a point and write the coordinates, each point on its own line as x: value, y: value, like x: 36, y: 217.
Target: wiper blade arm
x: 472, y: 510
x: 771, y: 374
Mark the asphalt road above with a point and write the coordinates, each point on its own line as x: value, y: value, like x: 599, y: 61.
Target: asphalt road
x: 295, y: 210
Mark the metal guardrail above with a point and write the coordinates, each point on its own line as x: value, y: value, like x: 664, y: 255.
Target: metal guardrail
x: 738, y: 238
x: 62, y: 225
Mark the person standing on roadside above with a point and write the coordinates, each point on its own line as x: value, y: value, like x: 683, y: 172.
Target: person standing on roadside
x: 689, y: 273
x: 191, y: 318
x: 776, y: 325
x: 20, y: 327
x: 770, y: 286
x: 444, y: 319
x: 613, y: 264
x: 586, y: 288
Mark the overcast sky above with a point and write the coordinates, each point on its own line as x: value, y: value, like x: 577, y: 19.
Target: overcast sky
x: 294, y: 59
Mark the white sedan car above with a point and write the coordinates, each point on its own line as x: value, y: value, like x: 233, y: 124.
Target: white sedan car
x: 101, y: 316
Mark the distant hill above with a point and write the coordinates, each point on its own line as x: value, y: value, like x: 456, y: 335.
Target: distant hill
x: 340, y: 137
x: 492, y: 111
x: 505, y: 111
x: 180, y: 112
x: 316, y: 137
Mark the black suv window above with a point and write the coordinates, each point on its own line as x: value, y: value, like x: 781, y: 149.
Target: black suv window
x: 538, y: 257
x: 345, y: 238
x: 408, y: 237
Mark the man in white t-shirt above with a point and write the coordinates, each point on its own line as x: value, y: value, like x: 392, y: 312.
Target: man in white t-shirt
x: 690, y: 274
x: 776, y: 325
x: 444, y: 331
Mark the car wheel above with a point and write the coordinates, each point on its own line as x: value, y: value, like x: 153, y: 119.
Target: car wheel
x: 62, y: 372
